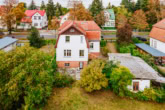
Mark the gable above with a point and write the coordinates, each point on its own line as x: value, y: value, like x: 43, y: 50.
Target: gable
x: 36, y: 14
x: 72, y: 31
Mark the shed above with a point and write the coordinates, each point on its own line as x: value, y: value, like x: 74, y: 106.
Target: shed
x: 142, y: 72
x: 7, y: 43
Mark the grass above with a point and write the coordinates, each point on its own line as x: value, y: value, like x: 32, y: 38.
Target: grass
x: 50, y: 49
x: 74, y: 98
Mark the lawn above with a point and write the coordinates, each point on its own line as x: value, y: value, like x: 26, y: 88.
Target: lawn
x: 48, y: 49
x: 74, y: 98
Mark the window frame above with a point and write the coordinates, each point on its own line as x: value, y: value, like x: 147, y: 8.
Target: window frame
x: 81, y: 53
x: 67, y: 64
x: 67, y: 53
x: 81, y: 39
x: 135, y: 86
x: 67, y: 40
x: 91, y: 45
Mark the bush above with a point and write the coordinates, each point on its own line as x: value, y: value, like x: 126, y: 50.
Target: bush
x: 103, y: 43
x: 51, y: 41
x: 125, y: 48
x: 26, y: 79
x: 92, y: 77
x: 120, y: 78
x: 136, y: 40
x: 62, y: 80
x: 104, y: 51
x: 35, y: 39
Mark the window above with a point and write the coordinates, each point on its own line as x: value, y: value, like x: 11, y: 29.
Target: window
x: 67, y: 64
x: 81, y: 54
x: 67, y: 39
x: 91, y: 46
x: 67, y: 53
x: 81, y: 39
x: 35, y: 17
x: 39, y: 17
x: 72, y: 30
x: 155, y: 44
x: 135, y: 86
x: 35, y: 24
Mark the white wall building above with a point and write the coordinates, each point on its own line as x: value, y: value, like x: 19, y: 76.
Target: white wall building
x: 7, y: 44
x: 142, y: 72
x: 36, y: 18
x: 64, y: 18
x: 77, y: 42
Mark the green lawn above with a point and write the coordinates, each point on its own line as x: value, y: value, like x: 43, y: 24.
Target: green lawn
x: 74, y: 98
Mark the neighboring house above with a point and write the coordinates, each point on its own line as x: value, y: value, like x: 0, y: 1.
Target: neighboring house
x: 1, y: 11
x: 110, y: 19
x: 157, y: 36
x: 36, y: 18
x: 64, y: 18
x: 71, y: 3
x: 143, y: 73
x: 7, y: 44
x: 77, y: 42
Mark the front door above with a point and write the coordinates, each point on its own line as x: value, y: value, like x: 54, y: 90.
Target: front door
x: 81, y: 65
x: 135, y: 86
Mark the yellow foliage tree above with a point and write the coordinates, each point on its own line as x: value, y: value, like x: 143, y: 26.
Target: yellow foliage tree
x: 92, y: 77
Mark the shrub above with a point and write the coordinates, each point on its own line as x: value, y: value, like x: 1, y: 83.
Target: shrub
x: 104, y: 51
x: 136, y: 40
x: 126, y: 48
x: 28, y: 79
x: 92, y: 77
x: 120, y: 78
x: 35, y: 39
x: 103, y: 43
x: 62, y: 80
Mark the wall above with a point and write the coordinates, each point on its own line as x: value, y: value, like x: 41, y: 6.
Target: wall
x: 142, y: 84
x: 64, y: 18
x: 96, y: 45
x: 75, y: 45
x: 10, y: 47
x: 158, y: 45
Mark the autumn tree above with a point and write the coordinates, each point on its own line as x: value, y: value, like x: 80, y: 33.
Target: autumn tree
x: 8, y: 17
x: 121, y: 20
x: 80, y: 13
x: 19, y: 12
x: 124, y: 34
x: 43, y: 6
x: 92, y: 78
x: 100, y: 19
x: 139, y: 20
x: 32, y: 6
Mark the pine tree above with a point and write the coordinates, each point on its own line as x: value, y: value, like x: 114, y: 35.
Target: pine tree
x: 32, y: 6
x: 144, y: 5
x: 96, y: 7
x: 109, y: 6
x: 50, y: 9
x: 43, y: 7
x: 138, y: 5
x: 58, y: 10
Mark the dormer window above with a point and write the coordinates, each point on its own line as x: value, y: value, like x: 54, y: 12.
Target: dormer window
x: 72, y: 30
x: 35, y: 17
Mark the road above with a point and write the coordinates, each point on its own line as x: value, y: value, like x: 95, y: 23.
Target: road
x: 114, y: 36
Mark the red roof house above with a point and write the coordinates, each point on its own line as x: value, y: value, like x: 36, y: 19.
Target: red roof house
x: 77, y: 42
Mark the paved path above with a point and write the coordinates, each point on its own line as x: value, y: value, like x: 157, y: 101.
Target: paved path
x: 112, y: 47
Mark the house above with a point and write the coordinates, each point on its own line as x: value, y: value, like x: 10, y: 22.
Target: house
x: 1, y: 11
x: 142, y: 72
x: 64, y: 18
x: 36, y: 18
x: 157, y: 36
x: 7, y: 44
x: 77, y: 42
x: 110, y: 19
x: 72, y: 3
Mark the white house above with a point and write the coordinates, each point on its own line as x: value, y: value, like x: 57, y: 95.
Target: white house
x: 36, y: 18
x: 71, y: 3
x: 143, y: 73
x: 157, y: 36
x: 64, y: 18
x: 110, y: 19
x: 7, y: 44
x: 77, y: 42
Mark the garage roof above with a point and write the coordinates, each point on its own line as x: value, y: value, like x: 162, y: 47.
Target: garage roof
x: 6, y: 41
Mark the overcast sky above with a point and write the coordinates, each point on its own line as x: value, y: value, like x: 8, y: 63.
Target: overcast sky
x: 64, y: 2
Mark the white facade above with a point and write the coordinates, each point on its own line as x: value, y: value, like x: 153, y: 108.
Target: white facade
x: 64, y: 18
x: 109, y: 22
x: 9, y: 47
x: 96, y: 47
x: 157, y: 44
x: 142, y: 84
x: 77, y: 43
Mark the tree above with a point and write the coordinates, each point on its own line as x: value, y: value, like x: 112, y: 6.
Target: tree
x: 8, y: 17
x: 50, y: 11
x: 32, y: 6
x: 144, y: 5
x: 80, y: 13
x: 58, y: 10
x: 109, y: 6
x: 138, y: 5
x: 121, y: 20
x: 120, y: 78
x: 124, y: 34
x: 139, y: 20
x: 96, y: 7
x: 43, y: 7
x: 100, y: 19
x: 19, y: 12
x: 92, y: 78
x: 34, y: 38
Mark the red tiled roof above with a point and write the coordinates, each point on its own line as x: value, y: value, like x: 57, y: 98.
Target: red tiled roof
x: 89, y: 28
x: 158, y: 31
x: 26, y: 20
x: 30, y: 13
